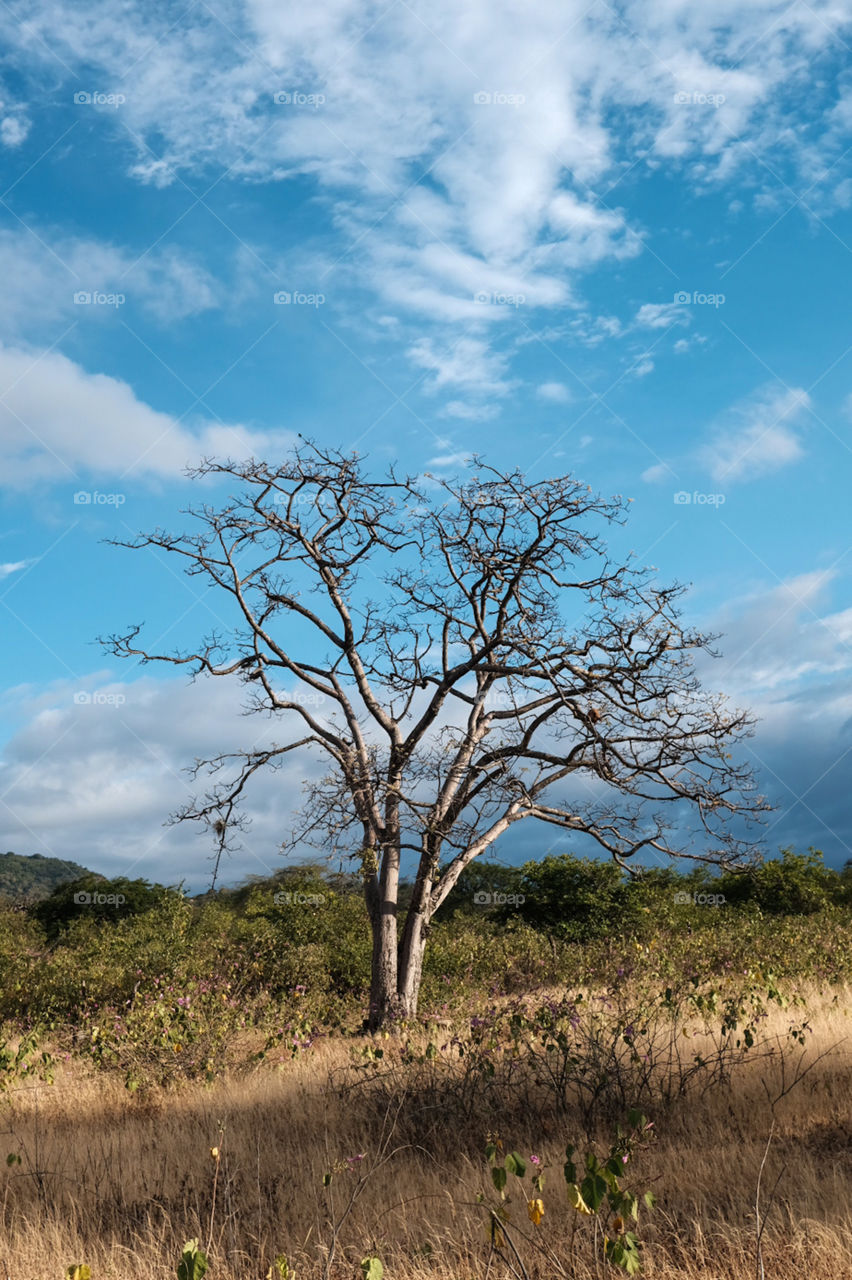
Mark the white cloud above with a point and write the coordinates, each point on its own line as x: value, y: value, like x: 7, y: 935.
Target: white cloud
x: 572, y: 95
x: 43, y: 270
x: 58, y: 422
x: 787, y: 655
x: 95, y: 781
x: 14, y: 566
x: 449, y: 460
x: 660, y: 315
x: 13, y: 130
x: 15, y: 124
x: 776, y: 636
x: 470, y: 412
x: 469, y: 365
x: 760, y: 435
x: 590, y: 330
x: 554, y: 392
x: 445, y: 196
x: 654, y: 474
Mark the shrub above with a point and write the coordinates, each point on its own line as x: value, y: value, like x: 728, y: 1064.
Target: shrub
x: 576, y: 898
x: 794, y: 884
x: 96, y: 897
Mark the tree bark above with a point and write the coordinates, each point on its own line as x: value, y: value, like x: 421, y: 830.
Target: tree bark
x: 397, y: 963
x: 384, y: 1000
x: 397, y: 969
x: 412, y: 948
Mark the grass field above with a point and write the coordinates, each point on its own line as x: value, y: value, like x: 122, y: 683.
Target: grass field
x: 121, y: 1180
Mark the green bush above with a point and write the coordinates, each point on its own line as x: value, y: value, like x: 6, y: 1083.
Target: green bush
x: 94, y: 897
x: 577, y: 898
x: 161, y: 984
x: 796, y: 884
x: 482, y: 876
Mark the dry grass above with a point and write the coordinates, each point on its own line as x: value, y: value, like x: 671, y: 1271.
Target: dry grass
x: 121, y: 1181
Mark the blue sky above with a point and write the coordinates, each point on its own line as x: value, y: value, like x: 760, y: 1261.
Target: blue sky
x: 610, y: 239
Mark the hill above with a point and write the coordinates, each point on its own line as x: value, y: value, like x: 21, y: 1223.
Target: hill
x: 33, y: 877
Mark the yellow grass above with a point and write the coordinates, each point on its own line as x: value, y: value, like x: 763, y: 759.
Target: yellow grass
x: 121, y: 1181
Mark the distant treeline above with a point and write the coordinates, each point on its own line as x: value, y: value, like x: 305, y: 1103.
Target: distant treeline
x: 583, y: 897
x: 98, y: 952
x: 573, y: 898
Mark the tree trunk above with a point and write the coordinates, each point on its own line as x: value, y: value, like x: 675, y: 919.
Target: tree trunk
x: 411, y: 951
x: 397, y: 963
x: 396, y: 971
x: 383, y: 901
x: 384, y: 999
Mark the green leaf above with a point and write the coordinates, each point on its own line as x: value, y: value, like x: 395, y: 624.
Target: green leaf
x: 326, y: 1179
x: 372, y: 1269
x: 516, y: 1164
x: 280, y: 1270
x: 630, y: 1204
x: 498, y: 1177
x: 593, y: 1188
x: 650, y: 1199
x: 624, y: 1253
x: 193, y: 1263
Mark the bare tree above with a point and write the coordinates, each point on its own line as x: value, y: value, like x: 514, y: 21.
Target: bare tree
x: 463, y: 656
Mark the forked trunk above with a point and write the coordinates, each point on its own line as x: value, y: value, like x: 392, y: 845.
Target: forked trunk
x: 396, y: 971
